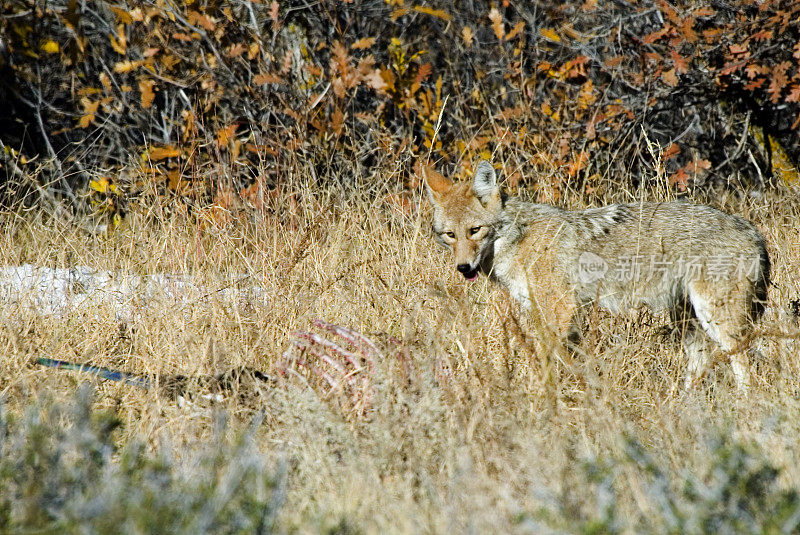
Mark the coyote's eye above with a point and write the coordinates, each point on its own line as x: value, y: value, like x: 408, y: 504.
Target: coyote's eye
x: 474, y: 230
x: 451, y: 235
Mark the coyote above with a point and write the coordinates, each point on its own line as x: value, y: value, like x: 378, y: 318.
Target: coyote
x: 708, y: 268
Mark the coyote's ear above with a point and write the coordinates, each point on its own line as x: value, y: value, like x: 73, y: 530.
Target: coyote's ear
x: 484, y: 183
x: 435, y: 183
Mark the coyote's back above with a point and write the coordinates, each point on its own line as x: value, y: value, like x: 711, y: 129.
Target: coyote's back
x: 709, y: 268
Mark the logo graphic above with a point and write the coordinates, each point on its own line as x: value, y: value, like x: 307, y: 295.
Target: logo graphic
x: 591, y: 267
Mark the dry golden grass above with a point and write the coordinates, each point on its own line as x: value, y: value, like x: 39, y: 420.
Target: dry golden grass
x: 467, y: 428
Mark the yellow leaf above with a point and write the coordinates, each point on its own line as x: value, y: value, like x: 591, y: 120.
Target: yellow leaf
x: 51, y: 47
x: 100, y: 185
x: 440, y: 13
x: 550, y: 35
x: 146, y: 88
x: 363, y: 43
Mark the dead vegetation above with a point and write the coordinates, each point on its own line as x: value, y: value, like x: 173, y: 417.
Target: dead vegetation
x: 269, y: 146
x: 457, y: 418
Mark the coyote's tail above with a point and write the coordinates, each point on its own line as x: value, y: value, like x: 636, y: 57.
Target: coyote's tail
x: 104, y: 373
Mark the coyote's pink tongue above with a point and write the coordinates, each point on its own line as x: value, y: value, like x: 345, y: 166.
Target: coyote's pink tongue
x: 471, y: 277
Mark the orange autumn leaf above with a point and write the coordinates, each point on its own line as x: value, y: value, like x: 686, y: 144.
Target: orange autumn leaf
x: 497, y: 23
x: 160, y: 153
x: 397, y: 13
x: 123, y: 16
x: 515, y: 30
x: 680, y: 179
x: 737, y: 49
x: 704, y: 12
x: 263, y: 78
x: 106, y: 81
x: 652, y: 37
x: 680, y: 63
x: 89, y: 110
x: 273, y: 14
x: 753, y: 69
x: 226, y: 134
x: 423, y: 72
x: 669, y: 11
x: 755, y: 84
x: 337, y: 121
x: 670, y: 152
x: 763, y: 35
x: 511, y: 113
x: 794, y: 93
x: 778, y: 81
x: 127, y: 66
x: 363, y: 43
x: 686, y: 29
x: 578, y: 164
x: 467, y: 36
x: 120, y: 45
x: 698, y: 166
x: 236, y: 50
x: 201, y: 19
x: 670, y: 77
x: 148, y: 95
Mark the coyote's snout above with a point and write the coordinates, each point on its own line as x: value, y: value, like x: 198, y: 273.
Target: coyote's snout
x: 709, y: 268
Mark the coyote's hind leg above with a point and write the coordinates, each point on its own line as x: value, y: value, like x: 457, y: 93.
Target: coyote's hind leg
x: 725, y: 320
x: 693, y: 341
